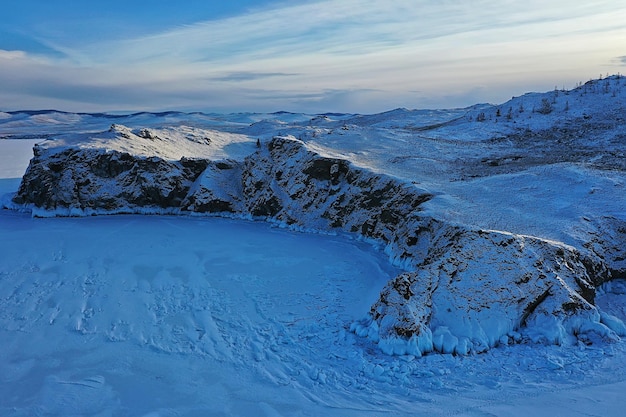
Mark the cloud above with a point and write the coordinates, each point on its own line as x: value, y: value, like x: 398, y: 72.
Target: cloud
x: 249, y: 76
x: 11, y: 55
x: 331, y: 55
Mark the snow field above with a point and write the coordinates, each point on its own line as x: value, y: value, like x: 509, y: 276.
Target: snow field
x: 164, y: 316
x: 269, y: 305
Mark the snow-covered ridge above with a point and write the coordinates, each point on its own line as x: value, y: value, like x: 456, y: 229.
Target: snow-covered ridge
x: 168, y: 143
x: 465, y: 290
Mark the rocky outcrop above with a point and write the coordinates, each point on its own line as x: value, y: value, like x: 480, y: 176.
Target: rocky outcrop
x: 217, y: 189
x: 91, y: 181
x: 466, y: 290
x: 293, y: 184
x: 478, y: 289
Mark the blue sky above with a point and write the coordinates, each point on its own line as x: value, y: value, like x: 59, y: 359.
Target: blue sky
x: 318, y: 55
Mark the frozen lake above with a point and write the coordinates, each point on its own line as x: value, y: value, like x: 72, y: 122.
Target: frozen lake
x: 189, y: 307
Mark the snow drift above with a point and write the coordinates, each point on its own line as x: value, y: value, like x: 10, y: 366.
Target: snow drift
x: 465, y: 290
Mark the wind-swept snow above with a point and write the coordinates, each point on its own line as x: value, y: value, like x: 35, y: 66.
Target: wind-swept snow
x: 95, y: 308
x: 167, y: 143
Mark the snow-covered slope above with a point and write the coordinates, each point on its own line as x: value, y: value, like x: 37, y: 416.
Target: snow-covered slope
x: 399, y: 178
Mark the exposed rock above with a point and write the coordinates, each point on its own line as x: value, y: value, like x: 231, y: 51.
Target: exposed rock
x: 476, y: 289
x: 217, y: 189
x: 317, y: 192
x: 94, y: 180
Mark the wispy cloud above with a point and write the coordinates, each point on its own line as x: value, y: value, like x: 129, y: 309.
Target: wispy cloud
x: 249, y: 76
x: 348, y: 55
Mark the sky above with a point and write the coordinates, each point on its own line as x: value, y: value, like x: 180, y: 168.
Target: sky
x: 359, y: 56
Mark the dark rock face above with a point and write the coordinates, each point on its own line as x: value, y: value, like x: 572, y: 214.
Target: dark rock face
x: 217, y: 189
x: 468, y: 290
x: 320, y: 192
x: 607, y: 241
x: 108, y: 181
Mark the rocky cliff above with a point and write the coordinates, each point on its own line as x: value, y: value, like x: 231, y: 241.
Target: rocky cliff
x: 465, y: 290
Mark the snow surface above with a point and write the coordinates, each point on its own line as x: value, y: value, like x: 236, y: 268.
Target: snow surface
x: 166, y: 143
x: 164, y: 316
x: 157, y: 315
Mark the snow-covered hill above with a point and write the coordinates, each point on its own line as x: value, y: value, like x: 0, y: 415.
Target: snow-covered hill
x: 508, y: 221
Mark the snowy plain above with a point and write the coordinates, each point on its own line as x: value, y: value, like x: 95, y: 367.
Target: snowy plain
x: 182, y: 316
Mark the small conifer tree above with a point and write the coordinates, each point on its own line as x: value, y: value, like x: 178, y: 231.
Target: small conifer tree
x: 546, y: 106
